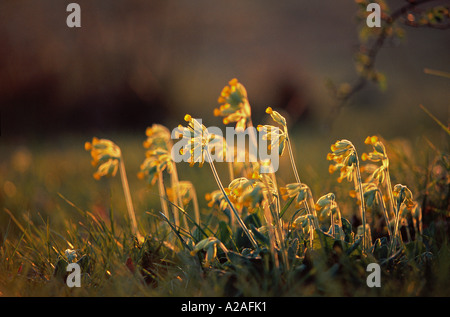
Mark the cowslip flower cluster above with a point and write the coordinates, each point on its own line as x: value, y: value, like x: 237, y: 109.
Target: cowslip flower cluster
x: 249, y: 193
x: 297, y: 190
x: 157, y: 157
x: 379, y: 151
x: 200, y: 143
x: 377, y: 155
x: 106, y: 155
x: 326, y: 205
x: 276, y: 137
x: 305, y: 222
x: 343, y: 153
x: 183, y: 189
x: 158, y: 136
x: 277, y: 117
x: 156, y: 161
x: 216, y: 198
x: 234, y: 105
x: 403, y: 195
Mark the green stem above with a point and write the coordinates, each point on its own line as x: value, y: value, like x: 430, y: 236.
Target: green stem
x: 333, y: 231
x: 361, y: 198
x: 129, y: 203
x: 397, y: 238
x: 162, y: 198
x: 296, y: 175
x: 385, y: 213
x: 291, y: 157
x: 314, y: 213
x: 195, y: 203
x: 222, y: 189
x: 176, y: 189
x: 230, y: 170
x: 389, y: 186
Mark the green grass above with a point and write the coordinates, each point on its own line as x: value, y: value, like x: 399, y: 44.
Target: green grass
x: 54, y: 204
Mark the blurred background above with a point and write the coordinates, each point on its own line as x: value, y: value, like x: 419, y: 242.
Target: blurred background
x: 133, y: 63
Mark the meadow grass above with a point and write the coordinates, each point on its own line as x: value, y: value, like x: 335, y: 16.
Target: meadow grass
x: 258, y: 235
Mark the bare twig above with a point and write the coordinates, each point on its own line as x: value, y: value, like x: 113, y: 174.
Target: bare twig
x: 371, y: 53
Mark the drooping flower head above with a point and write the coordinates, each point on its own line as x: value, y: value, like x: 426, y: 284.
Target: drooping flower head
x: 326, y: 205
x: 277, y: 117
x: 184, y: 189
x: 158, y: 156
x: 106, y: 155
x: 199, y: 141
x: 249, y: 193
x: 234, y: 105
x: 156, y: 161
x: 275, y: 137
x: 379, y: 151
x: 403, y: 195
x: 297, y: 190
x: 158, y: 136
x: 370, y: 191
x: 378, y: 154
x: 343, y: 153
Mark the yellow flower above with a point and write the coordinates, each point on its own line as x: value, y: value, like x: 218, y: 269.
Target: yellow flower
x: 275, y: 136
x: 377, y: 155
x: 276, y: 116
x: 250, y: 193
x: 158, y: 136
x: 402, y: 194
x: 371, y: 140
x: 234, y: 104
x: 325, y: 205
x: 332, y: 168
x: 297, y: 190
x: 106, y: 155
x: 156, y: 161
x: 344, y: 155
x: 199, y: 140
x: 183, y: 189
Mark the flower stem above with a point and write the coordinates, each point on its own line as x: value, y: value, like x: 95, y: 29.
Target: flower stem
x: 297, y: 178
x: 176, y: 190
x: 385, y: 213
x: 222, y: 189
x: 126, y: 190
x: 195, y: 203
x: 291, y: 157
x: 397, y: 237
x: 389, y: 190
x: 361, y: 198
x: 162, y: 198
